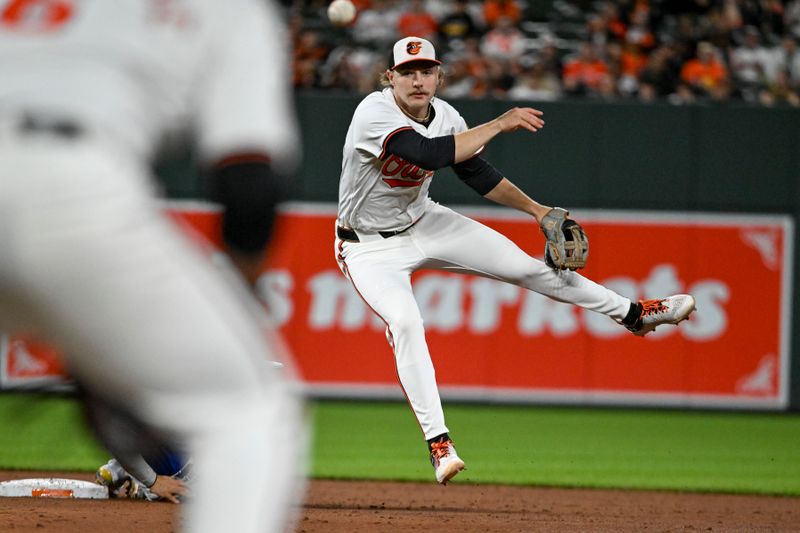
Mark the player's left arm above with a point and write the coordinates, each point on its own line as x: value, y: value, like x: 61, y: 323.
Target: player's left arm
x: 507, y: 194
x: 487, y: 181
x: 475, y: 172
x: 566, y: 246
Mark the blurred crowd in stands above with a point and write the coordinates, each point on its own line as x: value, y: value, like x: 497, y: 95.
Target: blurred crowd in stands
x: 675, y: 51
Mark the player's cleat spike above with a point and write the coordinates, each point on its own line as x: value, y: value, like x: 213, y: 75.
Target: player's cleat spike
x: 669, y: 310
x: 446, y: 462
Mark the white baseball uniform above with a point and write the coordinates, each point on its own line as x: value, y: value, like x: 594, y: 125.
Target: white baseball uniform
x: 87, y: 259
x: 380, y: 192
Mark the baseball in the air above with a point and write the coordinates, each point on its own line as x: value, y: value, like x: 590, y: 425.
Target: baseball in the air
x: 341, y: 12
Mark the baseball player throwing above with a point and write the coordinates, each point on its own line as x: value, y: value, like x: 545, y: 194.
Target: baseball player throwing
x: 388, y: 227
x: 88, y: 260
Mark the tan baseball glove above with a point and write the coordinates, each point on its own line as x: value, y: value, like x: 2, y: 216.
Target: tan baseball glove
x: 567, y: 246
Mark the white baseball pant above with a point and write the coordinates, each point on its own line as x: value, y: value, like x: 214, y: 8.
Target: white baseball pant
x: 380, y: 270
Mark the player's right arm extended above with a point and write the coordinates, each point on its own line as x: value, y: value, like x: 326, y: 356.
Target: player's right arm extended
x: 468, y: 143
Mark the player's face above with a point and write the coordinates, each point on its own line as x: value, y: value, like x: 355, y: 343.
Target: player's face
x: 414, y: 85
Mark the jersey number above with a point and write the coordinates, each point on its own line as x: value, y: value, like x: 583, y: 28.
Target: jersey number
x: 36, y: 15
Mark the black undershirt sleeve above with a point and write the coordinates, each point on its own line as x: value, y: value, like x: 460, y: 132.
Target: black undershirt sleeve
x: 430, y: 154
x: 439, y: 152
x: 249, y: 190
x: 479, y: 174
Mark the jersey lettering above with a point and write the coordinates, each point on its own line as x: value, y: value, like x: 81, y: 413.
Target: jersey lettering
x: 409, y: 175
x: 36, y: 15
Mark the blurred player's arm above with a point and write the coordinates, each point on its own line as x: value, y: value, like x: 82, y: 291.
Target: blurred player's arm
x: 249, y: 190
x: 247, y: 133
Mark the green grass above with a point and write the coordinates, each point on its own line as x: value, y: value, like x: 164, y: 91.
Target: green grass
x: 42, y: 432
x: 553, y: 446
x: 646, y: 449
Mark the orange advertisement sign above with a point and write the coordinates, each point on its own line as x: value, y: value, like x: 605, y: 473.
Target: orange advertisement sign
x: 494, y: 341
x: 25, y: 361
x: 490, y: 340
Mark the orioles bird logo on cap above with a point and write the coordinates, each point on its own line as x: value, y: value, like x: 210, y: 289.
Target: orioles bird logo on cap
x: 413, y: 47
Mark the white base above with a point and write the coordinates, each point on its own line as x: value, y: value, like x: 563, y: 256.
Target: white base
x: 53, y: 488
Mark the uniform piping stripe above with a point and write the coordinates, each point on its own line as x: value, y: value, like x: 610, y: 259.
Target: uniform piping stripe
x: 340, y: 259
x: 386, y: 140
x: 391, y: 342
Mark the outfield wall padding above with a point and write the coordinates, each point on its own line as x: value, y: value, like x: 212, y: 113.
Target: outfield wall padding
x: 727, y: 158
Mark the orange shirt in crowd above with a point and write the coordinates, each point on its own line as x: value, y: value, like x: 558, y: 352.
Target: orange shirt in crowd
x: 494, y: 9
x: 632, y: 62
x: 417, y: 24
x: 590, y: 73
x: 707, y: 75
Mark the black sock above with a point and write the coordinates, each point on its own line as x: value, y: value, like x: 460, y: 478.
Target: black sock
x: 633, y: 314
x: 439, y: 438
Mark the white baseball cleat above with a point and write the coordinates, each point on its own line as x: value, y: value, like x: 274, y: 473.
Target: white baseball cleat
x: 669, y: 310
x: 446, y: 462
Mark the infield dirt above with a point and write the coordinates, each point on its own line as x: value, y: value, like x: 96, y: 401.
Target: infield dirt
x: 359, y: 506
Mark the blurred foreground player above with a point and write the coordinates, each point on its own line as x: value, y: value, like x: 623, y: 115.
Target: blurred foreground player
x: 88, y: 262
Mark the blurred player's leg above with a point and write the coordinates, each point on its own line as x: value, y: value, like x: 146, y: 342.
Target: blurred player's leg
x: 146, y: 319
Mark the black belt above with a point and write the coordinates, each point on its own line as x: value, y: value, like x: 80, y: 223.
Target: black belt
x: 350, y: 235
x: 41, y: 124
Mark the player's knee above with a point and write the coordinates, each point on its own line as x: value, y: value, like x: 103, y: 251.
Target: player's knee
x: 533, y: 275
x: 521, y: 277
x: 405, y: 325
